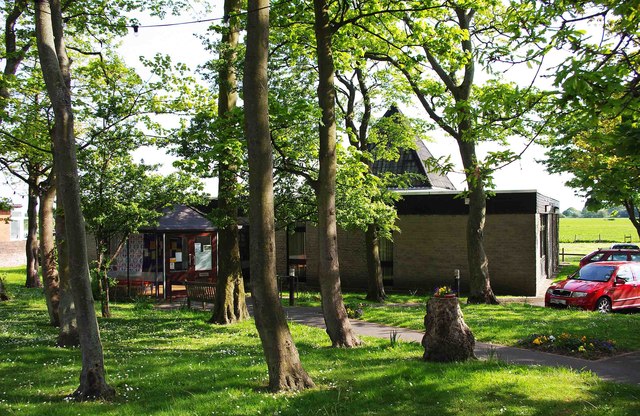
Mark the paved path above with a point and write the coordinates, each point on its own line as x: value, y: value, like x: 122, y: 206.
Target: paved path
x: 623, y: 368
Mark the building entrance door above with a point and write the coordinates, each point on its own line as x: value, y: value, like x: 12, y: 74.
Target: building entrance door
x: 190, y: 257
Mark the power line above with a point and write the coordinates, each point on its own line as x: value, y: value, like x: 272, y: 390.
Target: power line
x: 192, y: 22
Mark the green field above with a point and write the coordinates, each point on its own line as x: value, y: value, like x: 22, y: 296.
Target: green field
x: 172, y: 363
x: 596, y: 230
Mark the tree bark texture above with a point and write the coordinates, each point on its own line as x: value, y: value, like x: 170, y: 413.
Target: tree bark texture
x: 48, y: 252
x: 479, y: 282
x: 283, y: 362
x: 375, y: 285
x: 33, y: 275
x: 56, y: 73
x: 68, y: 335
x: 631, y: 209
x: 447, y: 337
x: 334, y: 311
x: 230, y: 305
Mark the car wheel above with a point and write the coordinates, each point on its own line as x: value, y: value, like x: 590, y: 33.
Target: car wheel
x: 603, y: 305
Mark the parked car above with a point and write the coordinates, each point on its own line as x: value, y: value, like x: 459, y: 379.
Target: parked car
x: 610, y: 254
x: 601, y: 286
x: 625, y: 245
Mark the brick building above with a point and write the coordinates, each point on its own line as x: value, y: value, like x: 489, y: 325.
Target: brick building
x: 521, y: 241
x: 12, y: 237
x: 521, y: 237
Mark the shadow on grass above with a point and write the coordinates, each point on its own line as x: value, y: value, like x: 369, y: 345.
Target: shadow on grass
x: 175, y: 363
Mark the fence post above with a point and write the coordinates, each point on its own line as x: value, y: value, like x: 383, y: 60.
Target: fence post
x: 563, y: 254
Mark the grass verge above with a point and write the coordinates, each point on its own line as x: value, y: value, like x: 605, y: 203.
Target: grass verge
x: 173, y: 363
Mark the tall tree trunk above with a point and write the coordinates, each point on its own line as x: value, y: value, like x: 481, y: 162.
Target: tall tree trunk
x: 103, y: 278
x: 68, y: 335
x: 375, y: 286
x: 335, y: 314
x: 31, y: 246
x: 480, y: 287
x: 230, y: 305
x: 283, y: 362
x: 57, y: 77
x: 48, y: 252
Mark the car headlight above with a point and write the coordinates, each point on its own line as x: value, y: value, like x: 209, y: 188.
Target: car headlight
x: 579, y: 294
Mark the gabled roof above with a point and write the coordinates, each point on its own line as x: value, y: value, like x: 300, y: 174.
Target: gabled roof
x: 182, y: 218
x: 412, y: 161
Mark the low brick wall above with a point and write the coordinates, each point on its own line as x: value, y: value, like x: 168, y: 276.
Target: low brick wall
x: 12, y: 253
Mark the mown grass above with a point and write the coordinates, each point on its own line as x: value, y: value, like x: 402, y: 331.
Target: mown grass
x: 596, y: 229
x: 508, y: 323
x: 173, y: 363
x: 503, y: 324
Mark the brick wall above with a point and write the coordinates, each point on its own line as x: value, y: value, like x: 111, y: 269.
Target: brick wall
x: 281, y: 252
x: 5, y: 226
x: 430, y: 247
x: 12, y: 253
x: 353, y: 257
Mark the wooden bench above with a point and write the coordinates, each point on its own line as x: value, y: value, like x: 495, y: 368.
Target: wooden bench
x: 201, y: 292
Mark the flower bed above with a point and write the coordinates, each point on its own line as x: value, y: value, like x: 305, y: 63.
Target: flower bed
x: 568, y: 344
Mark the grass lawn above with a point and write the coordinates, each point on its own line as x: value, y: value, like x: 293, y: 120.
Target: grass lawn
x: 503, y: 324
x: 173, y: 363
x: 594, y: 229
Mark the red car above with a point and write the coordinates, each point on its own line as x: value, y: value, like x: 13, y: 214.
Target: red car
x: 608, y: 254
x: 602, y: 287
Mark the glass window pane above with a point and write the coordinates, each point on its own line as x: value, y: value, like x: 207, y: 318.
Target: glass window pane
x: 178, y: 256
x: 203, y: 252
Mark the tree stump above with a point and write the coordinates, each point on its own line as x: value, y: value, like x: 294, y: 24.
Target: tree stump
x: 447, y: 337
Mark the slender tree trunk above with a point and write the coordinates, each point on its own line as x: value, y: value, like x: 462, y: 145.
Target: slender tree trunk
x: 335, y: 314
x: 68, y: 335
x: 56, y: 73
x: 103, y: 278
x: 375, y: 286
x: 283, y: 362
x: 230, y: 305
x: 33, y: 276
x: 48, y: 252
x: 12, y: 55
x: 631, y: 210
x: 480, y: 286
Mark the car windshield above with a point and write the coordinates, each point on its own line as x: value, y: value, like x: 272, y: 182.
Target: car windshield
x: 596, y: 273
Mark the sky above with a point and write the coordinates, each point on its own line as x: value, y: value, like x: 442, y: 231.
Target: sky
x: 524, y: 174
x: 179, y: 42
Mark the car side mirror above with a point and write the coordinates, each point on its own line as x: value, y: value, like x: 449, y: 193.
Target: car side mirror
x: 620, y: 281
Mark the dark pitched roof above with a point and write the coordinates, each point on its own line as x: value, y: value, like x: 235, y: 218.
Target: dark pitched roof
x: 412, y: 161
x: 182, y: 218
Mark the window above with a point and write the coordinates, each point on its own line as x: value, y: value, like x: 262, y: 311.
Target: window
x: 625, y: 273
x: 297, y: 256
x: 203, y: 252
x: 16, y: 230
x: 618, y: 257
x: 178, y: 256
x: 152, y: 254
